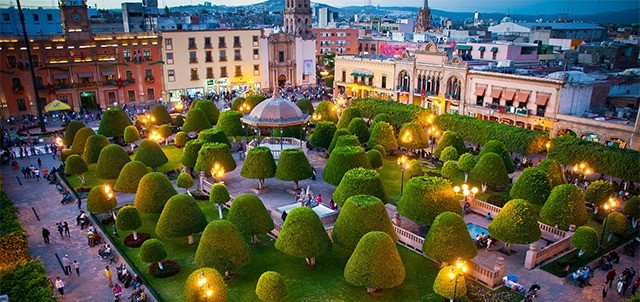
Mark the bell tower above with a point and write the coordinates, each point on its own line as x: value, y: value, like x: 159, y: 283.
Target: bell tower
x: 423, y: 22
x: 75, y: 20
x: 297, y: 18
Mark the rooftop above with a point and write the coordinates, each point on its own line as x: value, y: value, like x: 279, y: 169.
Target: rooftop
x: 562, y: 25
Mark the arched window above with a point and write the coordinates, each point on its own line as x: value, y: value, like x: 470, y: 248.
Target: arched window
x: 453, y: 88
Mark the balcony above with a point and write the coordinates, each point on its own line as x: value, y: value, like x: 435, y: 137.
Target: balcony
x: 506, y: 109
x: 192, y: 46
x: 237, y: 58
x: 194, y: 77
x: 223, y: 59
x: 222, y: 45
x: 208, y: 45
x: 237, y: 45
x: 193, y: 60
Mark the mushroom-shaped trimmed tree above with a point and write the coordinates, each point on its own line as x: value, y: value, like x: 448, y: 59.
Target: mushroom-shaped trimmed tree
x: 81, y: 139
x: 382, y: 134
x: 214, y: 135
x: 196, y: 121
x: 253, y: 100
x: 347, y: 115
x: 210, y: 110
x: 359, y: 128
x: 598, y: 192
x: 99, y: 202
x: 113, y: 122
x: 151, y: 154
x: 450, y: 138
x: 305, y: 106
x: 490, y: 170
x: 554, y: 171
x: 180, y: 217
x: 414, y: 169
x: 93, y: 146
x: 259, y: 164
x: 161, y: 114
x: 153, y: 252
x: 444, y: 284
x: 382, y: 117
x: 632, y: 209
x: 497, y: 147
x: 229, y: 122
x: 449, y: 153
x: 412, y: 136
x: 380, y: 149
x: 347, y: 140
x: 336, y: 135
x: 342, y: 160
x: 184, y: 181
x: 154, y: 190
x: 448, y: 239
x: 212, y: 153
x: 190, y: 152
x: 449, y: 169
x: 515, y: 223
x: 425, y: 197
x: 131, y: 135
x: 293, y: 165
x: 165, y: 132
x: 237, y: 103
x: 303, y: 236
x: 179, y: 120
x: 375, y: 158
x: 564, y: 207
x: 323, y: 134
x: 375, y: 263
x: 585, y: 239
x: 533, y: 185
x: 249, y: 215
x: 111, y: 161
x: 359, y: 181
x: 271, y: 286
x: 222, y: 247
x: 325, y: 110
x: 128, y: 219
x: 70, y: 132
x: 617, y: 224
x: 466, y: 162
x: 75, y: 165
x: 181, y: 139
x: 130, y: 176
x: 360, y: 215
x: 213, y: 282
x: 219, y: 195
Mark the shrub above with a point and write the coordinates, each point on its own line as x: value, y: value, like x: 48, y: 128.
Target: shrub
x: 165, y: 131
x: 347, y: 115
x: 497, y: 199
x: 585, y: 239
x: 128, y: 219
x: 424, y: 198
x: 348, y: 140
x: 414, y: 169
x: 450, y: 138
x: 532, y: 185
x: 632, y: 208
x: 161, y: 114
x: 210, y: 110
x: 169, y: 268
x: 382, y: 134
x: 323, y: 134
x: 382, y: 117
x: 303, y: 235
x: 565, y: 206
x: 515, y: 223
x: 196, y: 121
x: 444, y: 285
x: 412, y: 136
x: 360, y: 215
x: 490, y: 169
x: 81, y: 139
x: 255, y: 99
x: 498, y: 147
x: 179, y: 120
x: 181, y: 217
x: 190, y: 153
x: 375, y: 263
x: 359, y: 181
x: 336, y: 136
x: 230, y: 123
x: 153, y: 192
x: 219, y: 194
x: 448, y: 239
x: 193, y: 291
x: 359, y: 128
x: 93, y: 146
x: 617, y: 224
x: 75, y: 165
x: 449, y: 169
x: 259, y: 164
x: 111, y: 161
x: 380, y: 149
x: 249, y: 215
x: 237, y: 102
x: 598, y: 192
x: 449, y: 154
x: 70, y: 132
x: 214, y: 135
x: 466, y: 162
x: 184, y: 181
x: 222, y: 247
x: 98, y: 202
x: 399, y: 113
x: 181, y: 139
x: 342, y: 160
x: 271, y: 286
x: 113, y: 122
x: 375, y: 158
x: 325, y: 110
x: 305, y: 106
x: 151, y: 154
x: 131, y: 134
x: 27, y: 281
x: 293, y: 165
x: 65, y: 154
x: 130, y: 176
x: 211, y: 153
x: 554, y: 171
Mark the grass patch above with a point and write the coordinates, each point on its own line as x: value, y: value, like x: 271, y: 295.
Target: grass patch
x: 391, y: 176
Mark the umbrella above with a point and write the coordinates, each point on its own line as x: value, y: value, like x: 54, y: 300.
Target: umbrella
x: 56, y: 105
x: 512, y: 278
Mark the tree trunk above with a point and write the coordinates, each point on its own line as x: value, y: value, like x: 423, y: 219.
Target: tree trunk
x: 166, y: 141
x: 187, y: 189
x: 507, y: 247
x: 261, y: 184
x: 132, y: 145
x: 311, y: 262
x: 219, y: 211
x: 160, y: 265
x: 370, y: 290
x: 580, y: 253
x: 135, y: 235
x: 295, y: 185
x: 609, y: 238
x: 227, y: 274
x: 634, y: 222
x: 466, y: 176
x: 81, y: 178
x: 254, y: 239
x: 190, y: 239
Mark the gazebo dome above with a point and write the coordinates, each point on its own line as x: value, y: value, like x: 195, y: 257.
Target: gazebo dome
x: 275, y: 112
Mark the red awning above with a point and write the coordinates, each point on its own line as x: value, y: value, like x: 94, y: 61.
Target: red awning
x: 480, y: 90
x: 496, y: 92
x: 522, y: 96
x: 509, y: 94
x: 542, y: 99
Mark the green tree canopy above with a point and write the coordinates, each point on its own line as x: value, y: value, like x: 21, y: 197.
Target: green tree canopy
x: 271, y: 286
x: 259, y: 164
x: 305, y: 106
x: 230, y: 123
x: 128, y: 219
x: 210, y: 110
x: 585, y: 239
x: 449, y: 153
x: 196, y: 121
x: 490, y: 169
x: 293, y: 165
x: 336, y: 135
x: 190, y: 153
x: 326, y: 111
x: 360, y: 215
x: 497, y: 147
x: 113, y: 122
x: 347, y: 140
x: 425, y: 197
x: 347, y: 115
x: 180, y: 217
x: 93, y: 146
x: 532, y: 185
x: 250, y: 216
x: 212, y: 153
x: 359, y: 181
x: 131, y: 134
x: 111, y: 161
x: 179, y: 120
x: 598, y: 192
x: 80, y: 139
x: 375, y: 158
x: 444, y: 285
x: 412, y: 136
x: 515, y: 223
x: 99, y: 202
x: 181, y: 139
x: 382, y: 117
x: 449, y: 169
x: 219, y: 194
x: 184, y: 181
x: 414, y: 169
x: 255, y: 99
x: 150, y: 153
x: 617, y: 224
x: 215, y: 282
x: 214, y: 135
x: 382, y: 134
x: 466, y: 162
x: 450, y: 138
x: 342, y: 160
x: 359, y: 128
x: 564, y: 207
x: 153, y: 250
x: 237, y: 102
x: 323, y: 134
x: 154, y: 190
x: 448, y: 239
x: 165, y: 131
x: 632, y: 208
x: 554, y: 171
x: 303, y: 235
x: 130, y: 176
x: 70, y: 132
x: 75, y: 165
x: 161, y: 114
x: 222, y: 247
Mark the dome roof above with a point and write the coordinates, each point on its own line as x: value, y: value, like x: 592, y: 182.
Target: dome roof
x: 276, y: 112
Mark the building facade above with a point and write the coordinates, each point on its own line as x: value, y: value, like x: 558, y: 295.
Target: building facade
x: 341, y: 41
x: 297, y: 18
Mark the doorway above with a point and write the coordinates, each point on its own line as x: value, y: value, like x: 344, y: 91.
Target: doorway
x: 282, y: 80
x: 88, y: 100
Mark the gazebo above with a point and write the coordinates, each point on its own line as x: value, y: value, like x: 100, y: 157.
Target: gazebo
x: 276, y: 113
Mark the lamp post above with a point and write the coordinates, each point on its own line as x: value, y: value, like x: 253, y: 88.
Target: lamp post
x: 433, y: 132
x: 207, y: 292
x: 407, y: 137
x: 582, y: 169
x: 607, y: 207
x: 217, y: 171
x: 403, y: 163
x: 179, y: 106
x: 316, y: 117
x: 245, y: 108
x: 465, y: 190
x: 458, y: 270
x: 110, y: 196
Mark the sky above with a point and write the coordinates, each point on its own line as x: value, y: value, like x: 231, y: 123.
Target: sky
x: 530, y: 7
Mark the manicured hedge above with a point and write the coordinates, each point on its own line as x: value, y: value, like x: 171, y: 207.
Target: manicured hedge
x: 27, y: 282
x: 130, y: 176
x: 181, y: 139
x: 359, y: 181
x: 293, y: 165
x: 210, y: 110
x: 375, y: 158
x: 323, y: 134
x: 81, y: 139
x: 222, y: 247
x: 305, y: 105
x: 151, y: 154
x: 13, y: 239
x: 161, y: 114
x: 214, y: 135
x: 93, y: 146
x: 196, y: 121
x: 111, y: 161
x: 564, y: 207
x: 271, y: 286
x: 399, y: 113
x: 154, y: 190
x: 424, y: 198
x: 347, y: 115
x: 336, y: 135
x: 412, y: 136
x: 342, y: 160
x: 113, y: 122
x: 448, y: 239
x: 180, y: 217
x: 70, y: 132
x: 375, y: 263
x: 212, y: 153
x: 190, y: 152
x: 360, y: 215
x: 229, y: 122
x: 382, y: 134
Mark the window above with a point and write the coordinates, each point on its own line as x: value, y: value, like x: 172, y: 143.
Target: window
x: 63, y: 98
x: 255, y: 54
x: 255, y: 40
x: 171, y: 74
x: 207, y: 56
x: 207, y: 42
x: 540, y: 110
x: 112, y: 96
x: 494, y: 55
x: 49, y: 17
x: 221, y: 43
x: 151, y: 95
x: 384, y: 82
x: 148, y: 73
x: 479, y: 100
x: 192, y: 57
x: 344, y: 76
x: 210, y: 73
x: 169, y: 58
x: 194, y: 74
x: 223, y: 72
x: 21, y: 105
x: 35, y: 59
x: 256, y: 69
x: 16, y: 82
x: 129, y: 74
x: 223, y: 55
x: 146, y: 53
x: 168, y: 43
x: 370, y: 81
x: 39, y: 82
x: 132, y: 95
x: 192, y: 43
x: 36, y: 18
x: 238, y: 71
x: 280, y: 56
x: 12, y: 62
x: 236, y: 41
x: 126, y: 55
x: 85, y: 80
x: 236, y: 55
x: 482, y: 54
x: 6, y: 17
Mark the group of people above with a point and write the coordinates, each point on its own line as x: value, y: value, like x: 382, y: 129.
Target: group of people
x: 582, y: 276
x: 624, y: 281
x: 482, y: 240
x: 606, y: 261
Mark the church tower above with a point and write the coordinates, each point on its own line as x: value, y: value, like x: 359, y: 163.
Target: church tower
x: 75, y: 20
x: 423, y: 22
x: 297, y: 18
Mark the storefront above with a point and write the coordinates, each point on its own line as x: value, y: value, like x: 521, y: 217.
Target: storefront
x: 195, y: 93
x: 176, y: 95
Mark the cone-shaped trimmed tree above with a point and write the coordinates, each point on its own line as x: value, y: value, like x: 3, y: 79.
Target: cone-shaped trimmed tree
x: 153, y: 192
x: 617, y: 224
x: 196, y: 121
x: 190, y: 152
x: 179, y: 120
x: 380, y: 149
x: 184, y: 181
x: 382, y: 117
x: 214, y: 135
x: 210, y: 110
x: 130, y: 176
x: 448, y: 239
x: 382, y: 134
x: 598, y: 192
x: 342, y: 160
x: 325, y: 110
x: 449, y: 153
x: 259, y: 164
x: 111, y: 161
x: 359, y: 181
x: 360, y: 215
x: 303, y: 236
x: 128, y: 219
x: 348, y: 140
x: 249, y: 215
x: 180, y: 217
x: 93, y: 146
x: 215, y: 282
x: 293, y: 165
x: 515, y: 223
x: 347, y: 115
x: 65, y: 154
x: 412, y: 136
x: 161, y: 114
x: 212, y: 153
x: 98, y: 202
x: 444, y: 285
x: 490, y: 169
x: 222, y: 247
x: 113, y: 122
x: 230, y: 123
x: 498, y: 147
x: 375, y: 158
x: 585, y: 239
x: 131, y: 135
x: 359, y: 128
x: 255, y: 99
x: 181, y: 139
x: 323, y: 134
x: 75, y: 165
x: 554, y: 171
x: 165, y: 132
x: 151, y: 154
x: 80, y: 140
x: 564, y: 207
x: 237, y: 103
x: 153, y: 251
x: 450, y: 138
x: 70, y: 132
x: 425, y: 197
x: 632, y: 209
x: 334, y: 141
x: 219, y: 195
x: 532, y: 185
x: 466, y: 162
x: 305, y: 106
x: 271, y: 286
x: 449, y: 169
x: 414, y: 169
x: 375, y: 263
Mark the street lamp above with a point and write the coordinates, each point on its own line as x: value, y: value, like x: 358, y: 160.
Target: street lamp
x: 316, y: 117
x: 607, y: 207
x: 179, y: 106
x: 403, y: 163
x: 110, y: 196
x: 433, y: 132
x: 245, y: 108
x: 217, y: 171
x: 582, y: 168
x: 458, y: 270
x: 548, y: 145
x: 207, y: 292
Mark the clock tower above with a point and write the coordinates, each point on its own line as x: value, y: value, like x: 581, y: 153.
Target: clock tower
x: 75, y: 20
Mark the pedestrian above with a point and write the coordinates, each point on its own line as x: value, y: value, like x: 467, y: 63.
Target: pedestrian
x: 60, y: 229
x: 91, y: 238
x: 66, y: 263
x: 635, y: 285
x: 45, y: 235
x: 611, y: 275
x: 620, y: 286
x: 605, y: 289
x: 39, y: 162
x: 66, y: 229
x: 60, y: 286
x: 284, y: 216
x: 107, y: 274
x: 76, y: 265
x: 36, y: 172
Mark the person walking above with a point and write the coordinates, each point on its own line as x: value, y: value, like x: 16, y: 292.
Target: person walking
x: 635, y: 285
x: 45, y: 235
x: 107, y: 274
x: 605, y: 289
x: 66, y: 263
x: 76, y: 265
x: 66, y: 229
x: 60, y: 286
x: 611, y: 275
x: 60, y: 229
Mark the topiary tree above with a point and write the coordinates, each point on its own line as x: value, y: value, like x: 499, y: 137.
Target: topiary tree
x: 259, y: 164
x: 425, y: 197
x: 99, y: 202
x: 326, y: 111
x: 323, y: 134
x: 255, y: 99
x: 271, y: 286
x: 449, y: 153
x: 564, y: 207
x: 303, y: 236
x: 616, y: 224
x: 93, y: 146
x: 128, y: 219
x: 293, y: 165
x: 80, y: 140
x: 490, y: 170
x: 382, y: 134
x: 412, y: 136
x: 214, y: 135
x: 131, y: 135
x: 554, y: 171
x: 598, y: 192
x: 130, y: 176
x: 179, y: 120
x: 347, y: 140
x: 212, y: 153
x: 161, y: 114
x: 359, y: 181
x: 347, y: 115
x: 496, y: 146
x: 222, y: 247
x: 632, y: 209
x: 196, y: 121
x: 75, y: 165
x: 185, y: 181
x: 448, y: 239
x: 342, y: 160
x: 249, y: 215
x: 449, y: 169
x: 113, y: 122
x: 210, y: 110
x: 382, y: 117
x: 450, y: 138
x: 585, y: 239
x: 359, y: 128
x: 150, y: 153
x: 381, y: 149
x: 466, y: 162
x: 215, y: 283
x: 336, y: 135
x: 515, y: 223
x: 70, y: 132
x: 190, y: 153
x: 533, y: 185
x: 65, y: 154
x: 180, y: 217
x: 413, y: 169
x: 230, y: 123
x: 153, y: 250
x: 305, y: 106
x: 111, y: 161
x: 219, y: 195
x: 165, y: 132
x: 361, y: 214
x: 375, y: 263
x: 444, y: 285
x: 375, y: 158
x: 181, y: 139
x: 153, y: 192
x: 236, y: 103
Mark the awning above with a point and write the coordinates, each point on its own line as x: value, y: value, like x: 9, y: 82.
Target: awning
x: 481, y: 48
x: 60, y: 76
x: 108, y: 72
x: 480, y: 89
x: 509, y: 94
x: 496, y: 92
x: 56, y: 105
x: 85, y: 74
x: 463, y: 47
x: 494, y: 49
x: 367, y: 75
x: 355, y: 74
x: 522, y: 96
x: 542, y: 99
